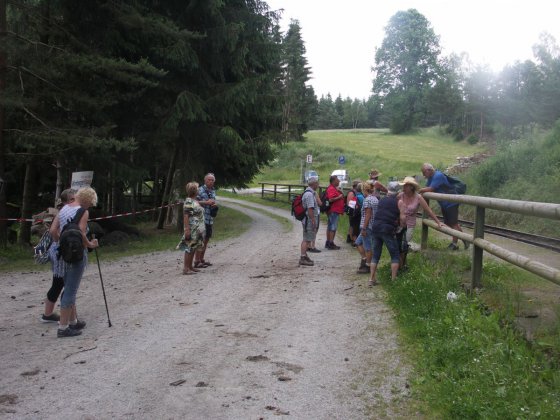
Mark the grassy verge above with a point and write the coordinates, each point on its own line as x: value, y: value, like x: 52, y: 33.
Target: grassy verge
x: 471, y: 361
x: 228, y: 224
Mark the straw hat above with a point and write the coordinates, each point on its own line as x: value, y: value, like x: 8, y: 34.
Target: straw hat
x: 374, y: 173
x: 410, y: 180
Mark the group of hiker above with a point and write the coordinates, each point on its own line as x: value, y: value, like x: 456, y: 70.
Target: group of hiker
x: 378, y: 215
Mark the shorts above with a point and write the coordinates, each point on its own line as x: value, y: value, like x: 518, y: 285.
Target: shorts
x: 367, y: 241
x: 208, y: 233
x: 333, y: 221
x: 309, y: 234
x: 450, y: 215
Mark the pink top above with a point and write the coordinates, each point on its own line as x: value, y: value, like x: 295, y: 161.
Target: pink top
x: 411, y: 205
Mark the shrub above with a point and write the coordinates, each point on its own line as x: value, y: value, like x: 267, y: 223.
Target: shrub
x: 472, y: 139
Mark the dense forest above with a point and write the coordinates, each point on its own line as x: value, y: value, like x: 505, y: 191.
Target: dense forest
x: 150, y: 94
x: 146, y: 94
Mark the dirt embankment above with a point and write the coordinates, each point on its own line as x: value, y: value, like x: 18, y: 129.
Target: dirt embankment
x: 253, y: 336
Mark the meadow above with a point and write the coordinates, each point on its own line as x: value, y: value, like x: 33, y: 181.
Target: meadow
x: 392, y: 155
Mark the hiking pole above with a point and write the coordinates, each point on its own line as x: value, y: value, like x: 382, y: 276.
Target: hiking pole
x: 102, y: 286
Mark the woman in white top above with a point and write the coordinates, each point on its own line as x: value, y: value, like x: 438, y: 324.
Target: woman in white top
x: 69, y: 326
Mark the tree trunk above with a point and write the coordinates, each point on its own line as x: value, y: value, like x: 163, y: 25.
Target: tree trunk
x: 3, y: 205
x: 24, y: 238
x: 155, y: 190
x: 167, y: 189
x: 59, y: 182
x: 481, y: 125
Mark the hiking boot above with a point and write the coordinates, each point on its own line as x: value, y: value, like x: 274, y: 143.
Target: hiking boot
x: 333, y: 246
x: 68, y: 332
x: 327, y: 245
x: 305, y: 261
x: 466, y: 244
x: 453, y: 246
x: 50, y: 318
x: 348, y: 239
x: 314, y: 250
x: 363, y: 270
x: 79, y: 325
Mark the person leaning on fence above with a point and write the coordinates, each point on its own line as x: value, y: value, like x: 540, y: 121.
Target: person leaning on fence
x: 69, y: 325
x: 364, y: 243
x: 387, y: 220
x: 310, y: 222
x: 336, y: 208
x: 66, y: 196
x: 411, y: 202
x: 207, y: 199
x: 194, y: 228
x: 437, y: 182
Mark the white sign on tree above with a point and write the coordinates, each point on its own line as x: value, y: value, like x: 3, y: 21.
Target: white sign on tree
x: 309, y: 159
x: 81, y: 179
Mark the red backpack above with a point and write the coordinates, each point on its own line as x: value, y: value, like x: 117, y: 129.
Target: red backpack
x: 298, y: 211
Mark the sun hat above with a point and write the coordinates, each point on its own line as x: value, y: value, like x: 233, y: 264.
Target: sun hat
x: 393, y: 187
x: 410, y: 180
x: 374, y: 173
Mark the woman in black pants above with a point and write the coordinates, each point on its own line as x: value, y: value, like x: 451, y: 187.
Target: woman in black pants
x: 66, y: 197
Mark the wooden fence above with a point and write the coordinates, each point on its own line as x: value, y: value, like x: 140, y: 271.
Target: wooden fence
x: 542, y: 210
x: 285, y: 192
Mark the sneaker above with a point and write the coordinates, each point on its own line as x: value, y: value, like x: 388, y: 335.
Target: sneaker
x: 327, y: 245
x: 305, y: 261
x: 453, y: 246
x: 333, y: 246
x: 68, y: 332
x: 80, y: 325
x: 466, y: 244
x: 314, y: 250
x: 50, y: 318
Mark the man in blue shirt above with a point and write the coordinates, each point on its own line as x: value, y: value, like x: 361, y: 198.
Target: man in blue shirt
x: 437, y: 182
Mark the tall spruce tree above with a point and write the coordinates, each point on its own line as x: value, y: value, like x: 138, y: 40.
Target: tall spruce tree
x: 298, y: 97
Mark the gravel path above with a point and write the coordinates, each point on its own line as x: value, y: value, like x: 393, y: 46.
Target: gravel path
x: 253, y: 336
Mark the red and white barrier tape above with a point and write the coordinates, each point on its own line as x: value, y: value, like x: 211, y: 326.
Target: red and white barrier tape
x: 21, y: 220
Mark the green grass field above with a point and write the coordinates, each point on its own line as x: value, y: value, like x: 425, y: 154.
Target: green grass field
x: 393, y: 155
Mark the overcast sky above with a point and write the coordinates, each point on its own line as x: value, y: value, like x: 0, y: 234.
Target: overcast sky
x: 341, y: 35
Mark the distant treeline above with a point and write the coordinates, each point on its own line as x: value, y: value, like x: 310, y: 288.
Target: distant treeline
x: 415, y: 86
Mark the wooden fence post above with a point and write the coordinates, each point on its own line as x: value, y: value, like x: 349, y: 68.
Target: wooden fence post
x: 425, y: 228
x: 477, y: 253
x: 262, y: 190
x: 275, y: 187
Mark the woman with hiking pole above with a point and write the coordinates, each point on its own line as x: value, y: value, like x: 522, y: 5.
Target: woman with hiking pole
x: 72, y: 250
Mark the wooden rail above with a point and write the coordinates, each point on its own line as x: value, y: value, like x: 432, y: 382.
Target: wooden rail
x: 271, y: 188
x: 543, y: 210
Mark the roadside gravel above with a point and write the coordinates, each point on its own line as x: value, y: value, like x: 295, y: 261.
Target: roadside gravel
x: 253, y: 336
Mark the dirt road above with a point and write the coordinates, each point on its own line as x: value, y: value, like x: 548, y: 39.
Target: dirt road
x: 253, y: 336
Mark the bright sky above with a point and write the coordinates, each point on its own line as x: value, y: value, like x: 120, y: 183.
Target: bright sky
x: 341, y: 36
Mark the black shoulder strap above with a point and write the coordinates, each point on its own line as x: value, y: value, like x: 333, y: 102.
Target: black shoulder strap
x: 78, y: 215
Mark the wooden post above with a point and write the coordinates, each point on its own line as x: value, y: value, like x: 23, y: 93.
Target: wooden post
x: 289, y: 193
x: 477, y: 252
x: 275, y: 187
x: 262, y: 190
x: 424, y: 242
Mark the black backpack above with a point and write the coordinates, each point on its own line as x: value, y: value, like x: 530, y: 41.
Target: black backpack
x: 70, y: 244
x: 457, y: 186
x: 325, y: 206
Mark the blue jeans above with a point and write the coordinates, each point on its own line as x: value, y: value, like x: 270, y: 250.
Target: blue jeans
x: 390, y: 242
x: 333, y: 221
x: 72, y: 279
x: 366, y: 241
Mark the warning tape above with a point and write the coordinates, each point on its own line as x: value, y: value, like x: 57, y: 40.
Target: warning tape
x: 113, y: 216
